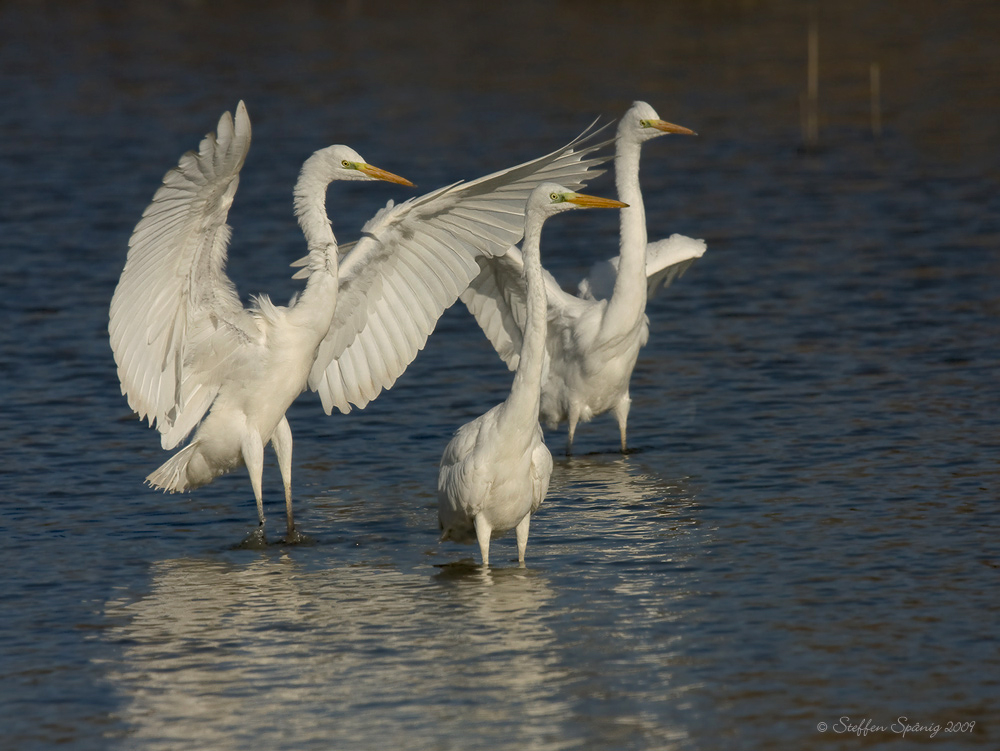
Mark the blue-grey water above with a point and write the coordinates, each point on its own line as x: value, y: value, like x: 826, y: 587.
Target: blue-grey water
x: 806, y: 535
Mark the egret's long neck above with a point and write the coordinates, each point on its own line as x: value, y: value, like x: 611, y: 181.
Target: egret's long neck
x: 319, y: 298
x: 525, y: 393
x: 310, y: 208
x: 628, y: 301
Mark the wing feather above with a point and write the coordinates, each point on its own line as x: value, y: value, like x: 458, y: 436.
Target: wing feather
x: 175, y: 315
x: 497, y: 299
x: 425, y: 253
x: 386, y: 331
x: 666, y: 261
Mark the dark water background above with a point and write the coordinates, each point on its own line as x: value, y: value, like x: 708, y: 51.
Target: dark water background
x: 807, y: 531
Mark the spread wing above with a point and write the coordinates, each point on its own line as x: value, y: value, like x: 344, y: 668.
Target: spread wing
x: 497, y: 299
x: 666, y: 261
x: 176, y: 321
x: 414, y: 260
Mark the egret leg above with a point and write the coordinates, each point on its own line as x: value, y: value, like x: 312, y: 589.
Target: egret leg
x: 253, y: 456
x: 574, y: 418
x: 281, y: 439
x: 621, y: 414
x: 521, y: 530
x: 483, y: 532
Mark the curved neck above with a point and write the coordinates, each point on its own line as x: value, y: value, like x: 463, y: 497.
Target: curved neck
x: 310, y: 209
x: 525, y: 392
x: 315, y: 306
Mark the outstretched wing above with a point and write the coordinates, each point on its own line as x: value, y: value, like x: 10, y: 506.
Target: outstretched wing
x: 414, y: 260
x: 497, y: 299
x: 176, y: 320
x: 666, y: 260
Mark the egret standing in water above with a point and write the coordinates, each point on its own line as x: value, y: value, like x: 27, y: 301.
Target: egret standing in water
x: 592, y: 343
x: 495, y: 471
x: 188, y: 353
x: 191, y: 357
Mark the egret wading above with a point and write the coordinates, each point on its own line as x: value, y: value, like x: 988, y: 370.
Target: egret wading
x: 593, y: 338
x: 189, y: 355
x: 191, y: 358
x: 495, y: 471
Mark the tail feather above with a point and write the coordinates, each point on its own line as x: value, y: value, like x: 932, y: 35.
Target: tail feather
x: 172, y: 476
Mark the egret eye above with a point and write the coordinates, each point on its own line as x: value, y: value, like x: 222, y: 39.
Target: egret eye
x: 554, y: 197
x: 345, y: 164
x: 644, y: 123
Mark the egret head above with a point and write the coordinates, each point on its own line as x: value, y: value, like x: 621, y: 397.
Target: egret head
x: 641, y: 123
x: 552, y: 198
x: 344, y: 163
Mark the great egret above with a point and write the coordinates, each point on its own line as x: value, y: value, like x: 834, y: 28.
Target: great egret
x: 189, y: 355
x: 495, y: 470
x: 592, y: 343
x: 183, y: 342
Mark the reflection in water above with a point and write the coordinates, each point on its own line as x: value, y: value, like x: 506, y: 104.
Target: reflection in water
x: 348, y: 654
x: 620, y: 478
x: 613, y: 514
x: 230, y: 651
x: 630, y: 508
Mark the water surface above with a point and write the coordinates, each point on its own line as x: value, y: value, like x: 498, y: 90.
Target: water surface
x: 807, y: 528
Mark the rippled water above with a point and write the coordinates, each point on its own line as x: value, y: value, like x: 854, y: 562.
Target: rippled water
x: 807, y: 530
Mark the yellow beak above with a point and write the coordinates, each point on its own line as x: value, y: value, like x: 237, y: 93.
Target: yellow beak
x: 593, y: 202
x: 670, y: 127
x: 381, y: 174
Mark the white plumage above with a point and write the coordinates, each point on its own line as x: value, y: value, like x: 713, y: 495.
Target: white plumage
x: 594, y: 338
x: 666, y: 261
x: 495, y: 471
x: 190, y: 356
x: 427, y: 250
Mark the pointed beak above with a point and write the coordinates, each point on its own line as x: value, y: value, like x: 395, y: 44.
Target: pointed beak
x: 593, y: 202
x: 381, y: 174
x: 670, y: 127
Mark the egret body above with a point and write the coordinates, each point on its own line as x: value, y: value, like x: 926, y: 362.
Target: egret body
x: 495, y: 471
x: 189, y: 355
x: 593, y: 339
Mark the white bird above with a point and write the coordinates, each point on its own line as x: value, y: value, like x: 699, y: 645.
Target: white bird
x: 184, y: 344
x: 495, y: 471
x: 594, y: 338
x: 190, y: 356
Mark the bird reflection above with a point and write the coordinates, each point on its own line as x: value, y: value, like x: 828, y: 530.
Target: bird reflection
x: 223, y: 655
x: 619, y: 478
x: 615, y: 508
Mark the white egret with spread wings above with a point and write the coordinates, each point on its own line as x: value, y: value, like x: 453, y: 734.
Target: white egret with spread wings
x: 191, y: 357
x: 593, y: 338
